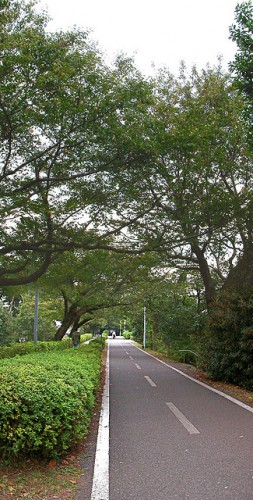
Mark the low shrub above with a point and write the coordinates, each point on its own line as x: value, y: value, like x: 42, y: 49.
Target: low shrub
x: 23, y: 348
x: 46, y: 400
x: 127, y: 334
x: 85, y: 337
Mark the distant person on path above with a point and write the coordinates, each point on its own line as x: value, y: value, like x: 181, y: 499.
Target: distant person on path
x: 75, y: 339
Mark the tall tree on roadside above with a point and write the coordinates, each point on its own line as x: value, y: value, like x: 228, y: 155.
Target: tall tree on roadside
x: 68, y: 123
x: 228, y: 345
x: 88, y: 282
x: 200, y: 180
x: 241, y: 32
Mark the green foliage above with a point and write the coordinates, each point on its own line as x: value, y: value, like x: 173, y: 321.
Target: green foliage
x: 85, y: 337
x: 22, y: 348
x: 22, y: 324
x: 5, y: 318
x: 227, y: 346
x: 81, y: 141
x: 68, y: 124
x: 178, y: 321
x: 98, y: 343
x: 46, y: 400
x: 199, y: 180
x: 127, y: 335
x: 241, y: 32
x: 173, y: 318
x: 184, y: 350
x: 90, y: 283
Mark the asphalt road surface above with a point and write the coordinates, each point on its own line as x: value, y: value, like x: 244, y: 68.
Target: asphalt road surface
x: 171, y: 438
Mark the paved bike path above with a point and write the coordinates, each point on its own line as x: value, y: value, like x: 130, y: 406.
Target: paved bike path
x: 171, y: 438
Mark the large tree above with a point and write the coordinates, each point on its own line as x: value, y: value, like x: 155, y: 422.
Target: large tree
x: 227, y: 347
x: 241, y: 32
x: 200, y: 179
x: 86, y: 282
x: 68, y: 123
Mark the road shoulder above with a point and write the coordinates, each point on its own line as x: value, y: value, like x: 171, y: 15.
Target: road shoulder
x: 232, y: 390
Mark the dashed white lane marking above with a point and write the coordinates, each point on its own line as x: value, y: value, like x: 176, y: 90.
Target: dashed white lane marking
x: 212, y: 389
x: 100, y: 486
x: 184, y: 421
x: 150, y: 381
x: 130, y: 357
x: 137, y: 366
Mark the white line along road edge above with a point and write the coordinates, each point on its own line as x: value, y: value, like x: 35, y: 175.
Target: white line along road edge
x: 100, y: 487
x: 223, y: 394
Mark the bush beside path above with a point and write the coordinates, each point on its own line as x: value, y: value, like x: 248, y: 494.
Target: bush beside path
x: 47, y: 400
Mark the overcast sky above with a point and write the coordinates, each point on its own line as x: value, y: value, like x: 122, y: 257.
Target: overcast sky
x: 161, y: 32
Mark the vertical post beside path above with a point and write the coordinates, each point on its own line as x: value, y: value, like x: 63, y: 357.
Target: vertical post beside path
x: 36, y: 315
x: 144, y: 327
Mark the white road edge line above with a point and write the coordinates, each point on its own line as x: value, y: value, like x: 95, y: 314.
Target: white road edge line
x: 222, y: 394
x: 181, y: 417
x: 150, y: 381
x: 100, y: 486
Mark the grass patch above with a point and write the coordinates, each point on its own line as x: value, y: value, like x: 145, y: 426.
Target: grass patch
x: 36, y: 480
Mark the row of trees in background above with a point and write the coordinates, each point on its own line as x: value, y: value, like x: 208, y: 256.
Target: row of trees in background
x: 119, y: 191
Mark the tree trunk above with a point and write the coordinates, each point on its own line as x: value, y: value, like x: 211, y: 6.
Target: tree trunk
x: 240, y: 277
x: 210, y: 291
x: 69, y: 318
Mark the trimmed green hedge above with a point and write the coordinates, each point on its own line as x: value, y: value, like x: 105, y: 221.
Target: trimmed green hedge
x: 28, y: 347
x: 47, y: 399
x: 86, y: 336
x: 20, y: 349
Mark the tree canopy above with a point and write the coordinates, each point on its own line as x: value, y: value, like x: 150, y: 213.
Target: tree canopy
x: 68, y: 123
x: 241, y: 32
x: 91, y: 281
x: 98, y: 157
x: 199, y: 180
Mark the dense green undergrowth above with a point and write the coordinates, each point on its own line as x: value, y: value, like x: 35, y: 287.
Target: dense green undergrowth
x: 47, y: 399
x: 29, y: 347
x: 227, y: 343
x: 23, y: 348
